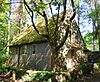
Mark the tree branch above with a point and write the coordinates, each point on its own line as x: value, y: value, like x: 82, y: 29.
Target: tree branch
x: 46, y: 22
x: 57, y: 20
x: 74, y: 11
x: 73, y: 16
x: 67, y: 30
x: 38, y: 11
x: 64, y: 13
x: 51, y: 12
x: 57, y: 17
x: 27, y: 11
x: 64, y: 38
x: 32, y: 15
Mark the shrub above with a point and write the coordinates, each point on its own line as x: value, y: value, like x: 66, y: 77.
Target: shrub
x: 19, y: 72
x: 4, y: 69
x: 4, y: 58
x: 37, y: 76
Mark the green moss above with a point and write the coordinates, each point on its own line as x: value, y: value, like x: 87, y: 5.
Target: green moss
x: 30, y: 35
x: 27, y: 36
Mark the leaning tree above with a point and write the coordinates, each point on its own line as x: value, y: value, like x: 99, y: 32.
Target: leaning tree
x: 57, y: 37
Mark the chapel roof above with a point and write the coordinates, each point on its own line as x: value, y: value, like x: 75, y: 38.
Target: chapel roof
x: 29, y: 35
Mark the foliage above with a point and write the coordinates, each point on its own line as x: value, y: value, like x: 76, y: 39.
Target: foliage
x: 97, y: 67
x: 4, y: 8
x: 19, y: 71
x: 85, y: 68
x: 93, y: 14
x: 4, y: 58
x: 41, y: 6
x: 37, y: 76
x: 3, y: 26
x: 4, y: 69
x: 42, y: 76
x: 88, y: 38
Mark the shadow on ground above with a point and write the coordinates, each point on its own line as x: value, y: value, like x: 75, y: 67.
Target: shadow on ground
x: 91, y: 78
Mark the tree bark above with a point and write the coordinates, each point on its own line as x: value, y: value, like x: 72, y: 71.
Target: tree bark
x: 53, y: 54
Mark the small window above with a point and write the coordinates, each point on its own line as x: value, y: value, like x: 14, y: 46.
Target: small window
x: 33, y: 49
x: 24, y: 49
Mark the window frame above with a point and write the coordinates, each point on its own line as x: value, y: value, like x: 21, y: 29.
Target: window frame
x: 33, y: 49
x: 24, y: 49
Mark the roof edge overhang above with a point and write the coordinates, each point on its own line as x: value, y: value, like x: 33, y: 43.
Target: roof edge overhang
x: 34, y: 42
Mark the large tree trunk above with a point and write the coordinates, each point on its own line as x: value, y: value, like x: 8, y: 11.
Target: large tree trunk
x: 53, y: 63
x: 53, y: 59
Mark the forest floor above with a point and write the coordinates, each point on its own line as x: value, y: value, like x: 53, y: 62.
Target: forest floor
x: 90, y: 78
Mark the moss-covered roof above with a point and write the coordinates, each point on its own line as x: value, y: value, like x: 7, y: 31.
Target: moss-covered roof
x: 27, y: 36
x: 30, y: 35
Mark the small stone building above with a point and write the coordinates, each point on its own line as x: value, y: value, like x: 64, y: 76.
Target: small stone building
x: 30, y: 50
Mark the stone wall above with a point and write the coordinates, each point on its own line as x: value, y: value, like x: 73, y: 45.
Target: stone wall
x: 39, y: 60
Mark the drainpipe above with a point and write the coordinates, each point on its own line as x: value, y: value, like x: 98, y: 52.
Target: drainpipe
x: 18, y: 56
